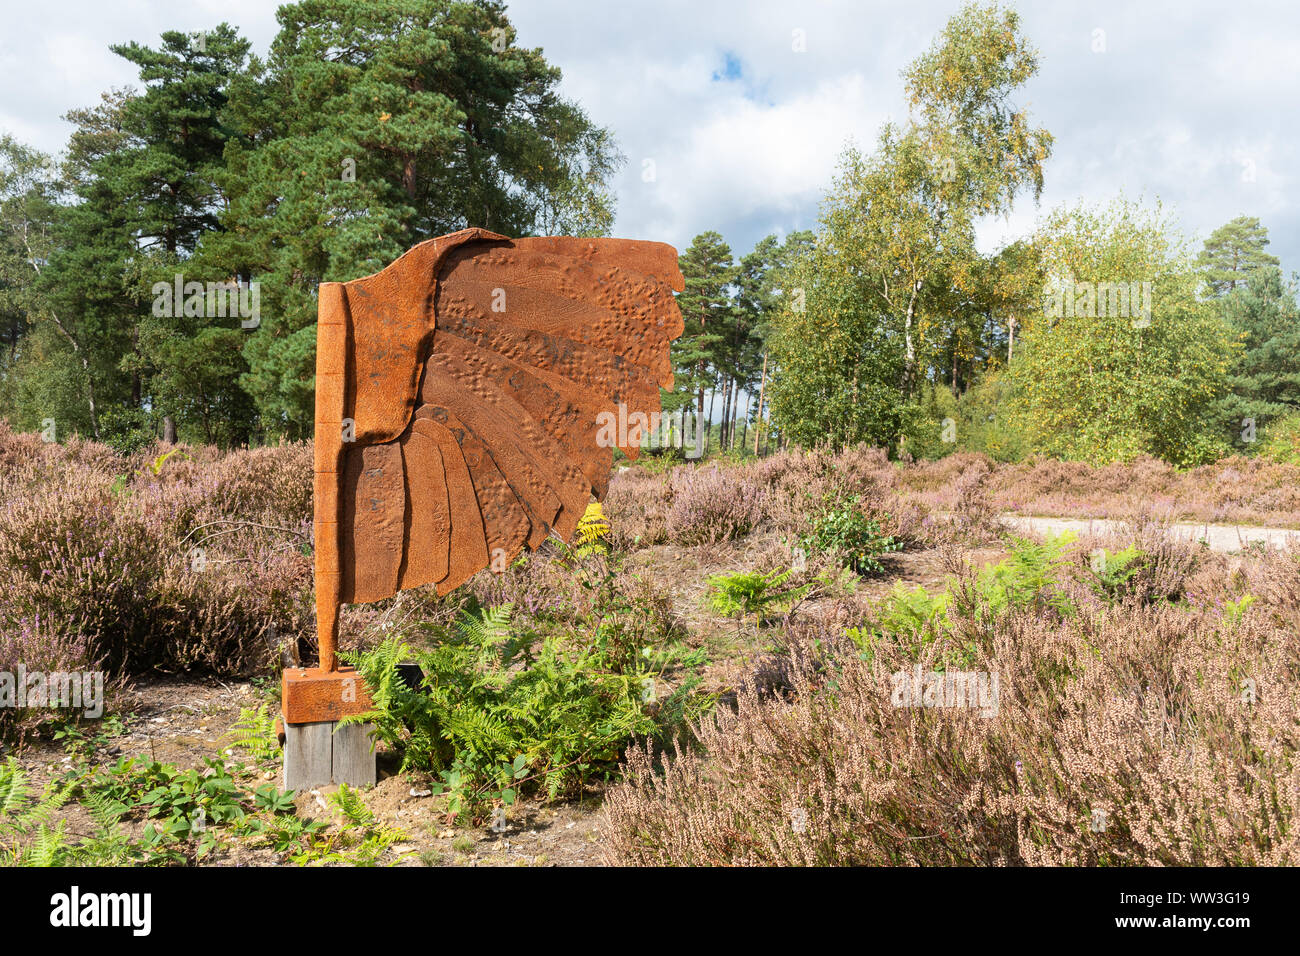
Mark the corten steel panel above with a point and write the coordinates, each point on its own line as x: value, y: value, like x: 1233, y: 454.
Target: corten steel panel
x: 310, y: 695
x: 457, y: 403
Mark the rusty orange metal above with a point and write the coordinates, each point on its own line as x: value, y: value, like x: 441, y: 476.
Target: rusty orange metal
x: 457, y: 401
x: 310, y: 695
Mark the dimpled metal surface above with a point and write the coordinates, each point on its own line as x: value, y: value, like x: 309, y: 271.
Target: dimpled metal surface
x: 458, y: 395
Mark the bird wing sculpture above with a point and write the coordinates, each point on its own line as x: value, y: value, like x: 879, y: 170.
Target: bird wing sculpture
x: 458, y: 398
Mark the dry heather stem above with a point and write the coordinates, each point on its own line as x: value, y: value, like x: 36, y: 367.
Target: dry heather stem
x: 1134, y: 711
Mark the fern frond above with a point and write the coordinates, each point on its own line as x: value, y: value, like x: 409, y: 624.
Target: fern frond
x: 352, y: 806
x: 50, y: 846
x: 106, y: 811
x: 593, y: 530
x: 254, y: 731
x: 14, y: 791
x: 488, y: 626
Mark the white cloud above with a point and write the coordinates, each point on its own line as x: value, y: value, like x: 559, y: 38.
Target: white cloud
x: 742, y: 159
x: 1185, y: 91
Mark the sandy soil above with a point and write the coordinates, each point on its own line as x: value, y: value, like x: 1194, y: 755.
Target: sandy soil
x: 1219, y: 537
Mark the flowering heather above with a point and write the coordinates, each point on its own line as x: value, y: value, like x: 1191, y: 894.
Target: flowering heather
x: 711, y: 504
x: 641, y: 499
x: 1173, y: 725
x: 38, y: 646
x: 1232, y: 491
x: 197, y: 560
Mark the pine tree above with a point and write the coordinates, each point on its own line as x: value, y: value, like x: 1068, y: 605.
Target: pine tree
x: 709, y: 315
x: 142, y: 171
x: 763, y: 287
x: 1264, y: 381
x: 1232, y: 252
x: 190, y: 362
x: 371, y: 127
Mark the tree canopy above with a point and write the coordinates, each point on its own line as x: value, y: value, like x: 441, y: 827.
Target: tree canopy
x: 369, y: 127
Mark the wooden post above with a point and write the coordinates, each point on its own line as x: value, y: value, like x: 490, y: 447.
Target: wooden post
x: 308, y: 761
x: 331, y: 359
x: 317, y: 751
x: 318, y: 754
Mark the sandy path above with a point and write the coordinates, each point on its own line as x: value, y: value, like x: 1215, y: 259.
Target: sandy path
x: 1220, y: 537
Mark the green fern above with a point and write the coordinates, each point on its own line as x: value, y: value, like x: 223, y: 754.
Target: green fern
x: 110, y: 846
x: 502, y: 706
x: 104, y: 808
x: 49, y: 848
x: 352, y: 806
x: 361, y: 841
x: 14, y: 792
x: 1113, y: 571
x: 27, y: 837
x: 753, y: 593
x: 1028, y: 577
x: 254, y: 732
x: 487, y: 625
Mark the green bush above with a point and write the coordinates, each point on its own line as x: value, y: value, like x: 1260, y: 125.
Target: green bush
x: 127, y: 430
x: 930, y: 424
x: 753, y: 592
x: 937, y: 424
x: 1031, y: 577
x: 1113, y: 572
x: 1028, y: 577
x: 1281, y: 440
x: 842, y: 529
x: 983, y: 424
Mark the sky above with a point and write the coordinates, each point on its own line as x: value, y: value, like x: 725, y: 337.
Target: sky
x: 732, y: 114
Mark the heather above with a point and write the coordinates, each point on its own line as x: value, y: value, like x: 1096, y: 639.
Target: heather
x: 708, y: 506
x: 1143, y: 728
x: 717, y: 657
x: 165, y: 560
x: 35, y: 645
x: 1233, y: 490
x: 1146, y: 706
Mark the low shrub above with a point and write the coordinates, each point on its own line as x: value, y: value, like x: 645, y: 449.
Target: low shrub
x: 1122, y: 734
x: 711, y: 505
x: 39, y: 646
x: 172, y: 558
x: 842, y: 529
x: 503, y: 708
x: 747, y: 593
x: 637, y: 504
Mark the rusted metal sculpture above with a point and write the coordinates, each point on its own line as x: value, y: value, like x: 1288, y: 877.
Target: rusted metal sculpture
x: 458, y: 394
